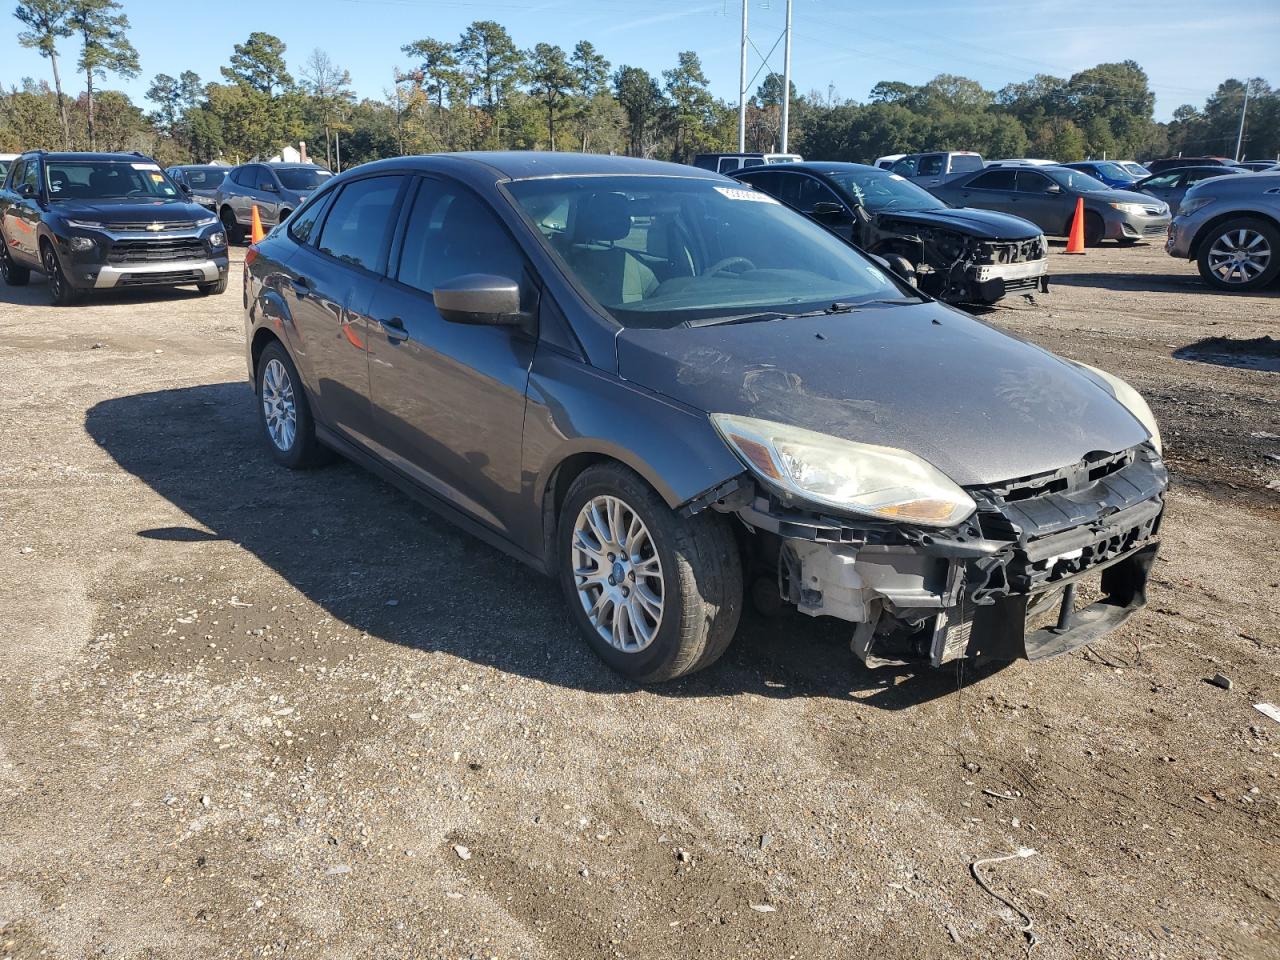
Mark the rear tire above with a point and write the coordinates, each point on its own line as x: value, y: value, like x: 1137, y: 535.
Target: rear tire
x: 61, y: 291
x: 14, y: 275
x: 284, y: 413
x: 214, y: 288
x: 689, y: 570
x: 233, y: 230
x: 1240, y: 255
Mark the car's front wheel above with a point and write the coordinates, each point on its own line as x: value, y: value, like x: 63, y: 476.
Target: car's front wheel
x: 214, y: 287
x: 61, y: 291
x: 657, y: 596
x: 1240, y: 255
x: 233, y: 230
x: 284, y: 412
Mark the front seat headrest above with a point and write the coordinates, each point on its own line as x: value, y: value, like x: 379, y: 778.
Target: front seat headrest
x: 602, y: 217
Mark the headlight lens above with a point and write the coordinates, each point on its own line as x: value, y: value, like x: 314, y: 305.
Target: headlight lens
x: 85, y: 224
x: 206, y: 221
x: 877, y: 481
x: 1191, y: 204
x: 218, y: 239
x: 1134, y: 208
x: 1133, y: 402
x: 80, y: 244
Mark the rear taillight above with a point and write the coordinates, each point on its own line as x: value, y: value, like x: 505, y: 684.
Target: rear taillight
x: 250, y: 255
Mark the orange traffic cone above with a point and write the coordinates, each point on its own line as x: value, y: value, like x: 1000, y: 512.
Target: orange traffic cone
x: 1075, y: 243
x: 256, y: 233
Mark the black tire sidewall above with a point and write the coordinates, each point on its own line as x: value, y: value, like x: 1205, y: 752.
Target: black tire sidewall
x: 303, y: 437
x: 1265, y: 279
x: 60, y: 289
x: 655, y: 660
x: 1095, y: 229
x: 14, y: 275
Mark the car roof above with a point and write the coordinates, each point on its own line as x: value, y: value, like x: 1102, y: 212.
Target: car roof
x: 528, y: 164
x: 85, y: 155
x: 1216, y: 168
x: 819, y: 166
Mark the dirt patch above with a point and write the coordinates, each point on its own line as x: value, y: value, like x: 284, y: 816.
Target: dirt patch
x: 245, y: 712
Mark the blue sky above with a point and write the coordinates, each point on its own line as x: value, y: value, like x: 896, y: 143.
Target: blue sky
x: 1186, y: 46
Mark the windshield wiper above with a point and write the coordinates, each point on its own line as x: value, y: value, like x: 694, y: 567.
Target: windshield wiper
x: 742, y: 318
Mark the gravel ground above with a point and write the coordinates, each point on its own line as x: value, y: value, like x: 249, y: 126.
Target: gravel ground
x: 251, y: 713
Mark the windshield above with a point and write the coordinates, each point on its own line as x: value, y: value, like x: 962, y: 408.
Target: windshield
x: 4, y: 169
x: 1077, y: 180
x: 204, y: 178
x: 302, y: 178
x: 1113, y: 170
x: 877, y: 191
x: 106, y: 180
x: 1136, y: 169
x: 661, y: 251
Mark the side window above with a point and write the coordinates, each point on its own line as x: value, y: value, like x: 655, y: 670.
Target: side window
x: 302, y: 225
x: 264, y: 179
x: 31, y: 175
x: 906, y: 167
x: 729, y: 164
x: 1162, y: 182
x: 931, y: 165
x: 965, y: 163
x: 15, y: 175
x: 240, y: 175
x: 813, y: 192
x: 451, y: 233
x: 1000, y: 179
x: 768, y: 182
x: 357, y: 228
x: 1031, y: 182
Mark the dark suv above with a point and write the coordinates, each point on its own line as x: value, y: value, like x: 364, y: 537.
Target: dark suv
x: 276, y: 189
x: 94, y: 221
x: 660, y: 386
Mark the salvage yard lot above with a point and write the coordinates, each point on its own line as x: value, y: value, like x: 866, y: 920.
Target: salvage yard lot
x: 245, y: 712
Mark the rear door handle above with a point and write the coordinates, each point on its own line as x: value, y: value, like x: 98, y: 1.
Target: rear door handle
x: 301, y: 286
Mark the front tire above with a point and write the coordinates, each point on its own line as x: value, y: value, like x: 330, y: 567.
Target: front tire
x: 284, y: 413
x: 233, y: 230
x: 14, y: 275
x: 61, y: 291
x: 1240, y: 255
x: 214, y: 288
x: 657, y: 596
x: 1094, y: 230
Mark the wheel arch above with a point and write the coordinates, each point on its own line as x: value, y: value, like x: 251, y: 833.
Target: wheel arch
x: 1193, y: 249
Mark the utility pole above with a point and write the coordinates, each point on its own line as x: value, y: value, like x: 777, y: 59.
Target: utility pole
x: 1243, y: 108
x: 742, y: 85
x: 786, y: 80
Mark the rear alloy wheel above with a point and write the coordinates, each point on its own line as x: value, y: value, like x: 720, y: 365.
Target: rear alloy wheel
x: 285, y: 413
x: 1240, y: 255
x: 655, y: 595
x: 60, y: 289
x: 14, y: 275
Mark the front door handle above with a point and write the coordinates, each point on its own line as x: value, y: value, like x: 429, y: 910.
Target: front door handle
x: 301, y: 286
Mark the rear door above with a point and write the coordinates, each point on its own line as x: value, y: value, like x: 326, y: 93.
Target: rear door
x: 22, y: 216
x: 449, y: 398
x: 992, y: 190
x: 931, y: 170
x: 333, y: 274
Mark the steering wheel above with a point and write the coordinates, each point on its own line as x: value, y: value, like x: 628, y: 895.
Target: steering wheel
x: 723, y: 265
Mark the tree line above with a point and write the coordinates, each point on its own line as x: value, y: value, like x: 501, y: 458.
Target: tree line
x: 482, y: 91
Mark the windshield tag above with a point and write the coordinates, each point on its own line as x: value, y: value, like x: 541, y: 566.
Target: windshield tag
x: 145, y: 166
x: 752, y: 195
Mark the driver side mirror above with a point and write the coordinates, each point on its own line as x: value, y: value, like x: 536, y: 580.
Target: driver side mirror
x: 26, y: 191
x: 184, y: 187
x: 480, y: 299
x: 828, y: 211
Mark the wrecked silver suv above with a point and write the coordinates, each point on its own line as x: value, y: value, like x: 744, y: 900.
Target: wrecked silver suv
x: 659, y: 385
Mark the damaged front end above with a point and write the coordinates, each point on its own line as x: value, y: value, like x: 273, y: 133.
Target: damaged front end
x: 958, y: 267
x: 1004, y: 584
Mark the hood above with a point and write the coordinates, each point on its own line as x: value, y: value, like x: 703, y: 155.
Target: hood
x: 984, y: 224
x: 981, y: 406
x: 1124, y: 196
x: 129, y: 211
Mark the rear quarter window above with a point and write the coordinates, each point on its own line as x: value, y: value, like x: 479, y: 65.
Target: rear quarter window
x: 966, y: 163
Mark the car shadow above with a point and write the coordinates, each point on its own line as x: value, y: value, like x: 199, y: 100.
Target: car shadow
x: 381, y: 563
x: 36, y: 294
x: 1258, y: 353
x: 1148, y: 283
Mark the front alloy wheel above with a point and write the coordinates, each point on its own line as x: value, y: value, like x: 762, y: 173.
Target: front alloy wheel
x: 655, y: 595
x: 1241, y: 255
x: 60, y: 289
x: 618, y: 573
x: 285, y: 412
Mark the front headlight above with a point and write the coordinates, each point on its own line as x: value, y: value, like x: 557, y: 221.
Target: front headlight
x: 858, y: 477
x: 206, y: 221
x: 1132, y: 401
x: 1191, y: 204
x: 1137, y: 209
x: 80, y: 244
x: 85, y: 224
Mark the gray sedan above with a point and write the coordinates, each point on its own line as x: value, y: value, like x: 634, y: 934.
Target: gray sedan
x: 1172, y: 185
x: 1047, y: 197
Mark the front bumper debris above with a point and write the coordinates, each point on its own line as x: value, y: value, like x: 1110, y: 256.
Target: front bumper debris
x: 980, y: 590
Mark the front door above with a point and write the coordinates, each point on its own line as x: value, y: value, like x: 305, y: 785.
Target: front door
x: 332, y: 281
x: 1039, y: 202
x: 22, y: 215
x: 448, y: 398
